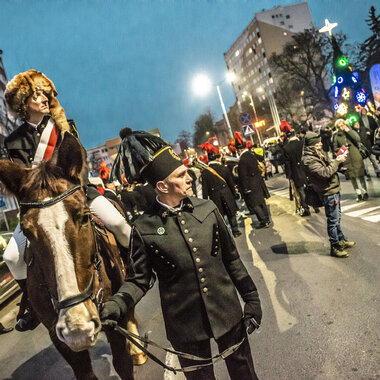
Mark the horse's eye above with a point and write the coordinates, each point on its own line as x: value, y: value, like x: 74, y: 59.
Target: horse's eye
x: 85, y: 219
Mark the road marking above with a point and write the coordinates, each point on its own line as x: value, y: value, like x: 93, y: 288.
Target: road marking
x: 373, y: 218
x: 362, y: 211
x: 285, y: 321
x: 349, y: 207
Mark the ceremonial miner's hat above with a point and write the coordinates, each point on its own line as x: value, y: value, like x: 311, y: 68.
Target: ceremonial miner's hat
x: 239, y: 141
x: 211, y: 150
x: 145, y: 157
x: 25, y: 84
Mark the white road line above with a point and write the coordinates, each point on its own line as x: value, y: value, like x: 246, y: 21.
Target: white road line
x: 362, y: 212
x: 349, y: 207
x: 372, y: 218
x: 285, y: 321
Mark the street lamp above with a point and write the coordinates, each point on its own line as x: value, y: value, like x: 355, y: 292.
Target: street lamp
x: 202, y: 85
x: 273, y: 108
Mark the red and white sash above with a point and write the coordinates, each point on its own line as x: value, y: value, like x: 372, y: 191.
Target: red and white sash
x: 47, y: 143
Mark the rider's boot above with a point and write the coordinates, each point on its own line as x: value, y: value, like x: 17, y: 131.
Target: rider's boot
x: 26, y: 318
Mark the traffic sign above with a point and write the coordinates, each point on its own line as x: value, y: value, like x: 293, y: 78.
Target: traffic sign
x: 245, y: 118
x: 249, y: 129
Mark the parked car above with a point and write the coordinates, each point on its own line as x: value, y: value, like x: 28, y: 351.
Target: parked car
x: 8, y: 285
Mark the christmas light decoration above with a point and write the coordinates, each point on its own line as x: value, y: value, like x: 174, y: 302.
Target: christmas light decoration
x: 354, y: 79
x: 342, y: 61
x: 346, y: 94
x: 336, y: 91
x: 336, y: 105
x: 340, y: 80
x: 360, y: 97
x: 352, y: 119
x: 342, y: 109
x: 334, y: 79
x: 358, y: 108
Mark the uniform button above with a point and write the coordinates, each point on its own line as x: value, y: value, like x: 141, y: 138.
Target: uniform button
x: 198, y: 260
x: 180, y: 213
x: 205, y: 290
x: 162, y: 257
x: 215, y: 253
x: 151, y: 246
x: 186, y: 231
x: 191, y: 240
x: 30, y: 158
x: 173, y: 266
x: 216, y: 233
x: 156, y: 251
x: 216, y: 247
x: 183, y: 222
x: 216, y: 240
x: 38, y: 134
x: 195, y: 249
x: 203, y: 280
x: 168, y: 262
x: 200, y: 270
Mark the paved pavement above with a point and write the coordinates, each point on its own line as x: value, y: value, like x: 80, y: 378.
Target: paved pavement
x: 321, y: 314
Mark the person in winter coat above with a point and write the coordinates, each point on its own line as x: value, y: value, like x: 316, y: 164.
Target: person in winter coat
x: 368, y: 122
x: 322, y: 173
x: 365, y: 138
x: 354, y: 163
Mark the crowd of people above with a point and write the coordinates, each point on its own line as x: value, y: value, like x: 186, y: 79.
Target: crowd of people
x: 177, y: 213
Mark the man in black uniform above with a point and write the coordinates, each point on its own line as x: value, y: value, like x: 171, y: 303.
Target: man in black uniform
x: 186, y: 242
x: 251, y: 183
x: 218, y: 185
x: 294, y: 169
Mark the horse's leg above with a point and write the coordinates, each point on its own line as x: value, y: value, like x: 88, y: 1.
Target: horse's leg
x: 121, y: 358
x: 138, y: 356
x: 80, y: 362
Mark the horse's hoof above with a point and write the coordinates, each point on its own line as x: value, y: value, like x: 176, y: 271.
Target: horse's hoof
x: 139, y: 359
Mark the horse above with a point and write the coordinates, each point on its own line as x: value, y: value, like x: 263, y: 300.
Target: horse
x: 67, y: 276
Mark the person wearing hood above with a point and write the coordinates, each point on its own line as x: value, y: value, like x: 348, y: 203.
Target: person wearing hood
x: 321, y: 171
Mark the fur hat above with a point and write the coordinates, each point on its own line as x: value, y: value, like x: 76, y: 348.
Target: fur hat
x: 312, y: 138
x: 285, y: 126
x: 23, y: 85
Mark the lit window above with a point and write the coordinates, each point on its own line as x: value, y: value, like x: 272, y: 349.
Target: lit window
x: 290, y: 26
x: 285, y: 34
x: 282, y: 23
x: 287, y: 16
x: 259, y: 40
x: 237, y: 52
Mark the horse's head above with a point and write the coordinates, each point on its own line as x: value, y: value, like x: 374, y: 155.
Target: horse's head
x: 60, y: 235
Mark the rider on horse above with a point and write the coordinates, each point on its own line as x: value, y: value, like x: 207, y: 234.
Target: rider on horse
x: 32, y: 96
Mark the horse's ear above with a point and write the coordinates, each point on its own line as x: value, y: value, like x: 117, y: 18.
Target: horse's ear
x: 70, y: 157
x: 12, y: 175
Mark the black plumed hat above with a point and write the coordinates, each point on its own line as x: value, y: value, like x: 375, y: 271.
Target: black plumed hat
x: 145, y: 157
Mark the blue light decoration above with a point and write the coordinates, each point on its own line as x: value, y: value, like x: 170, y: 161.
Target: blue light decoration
x: 360, y: 97
x: 354, y: 79
x: 356, y: 75
x: 336, y: 91
x: 340, y: 80
x: 336, y: 105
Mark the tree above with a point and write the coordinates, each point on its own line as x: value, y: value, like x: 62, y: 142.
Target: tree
x: 370, y: 49
x: 184, y: 140
x: 306, y: 61
x: 203, y: 128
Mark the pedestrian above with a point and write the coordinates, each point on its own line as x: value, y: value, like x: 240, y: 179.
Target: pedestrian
x: 354, y: 163
x: 251, y: 183
x: 368, y: 121
x: 185, y: 241
x: 365, y: 138
x: 32, y: 96
x: 323, y: 177
x: 294, y: 170
x: 218, y: 185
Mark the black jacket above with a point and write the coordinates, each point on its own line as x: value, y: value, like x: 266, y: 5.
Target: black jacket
x: 250, y: 179
x: 222, y: 193
x: 293, y: 162
x: 198, y: 269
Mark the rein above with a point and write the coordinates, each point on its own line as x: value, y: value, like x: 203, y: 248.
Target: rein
x: 133, y: 338
x: 88, y: 293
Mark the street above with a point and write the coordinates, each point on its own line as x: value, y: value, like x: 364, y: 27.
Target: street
x: 320, y: 314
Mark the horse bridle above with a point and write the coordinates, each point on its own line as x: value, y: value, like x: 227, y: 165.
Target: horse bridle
x: 88, y: 293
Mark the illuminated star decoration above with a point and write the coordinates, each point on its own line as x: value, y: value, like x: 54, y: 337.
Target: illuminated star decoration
x: 328, y: 27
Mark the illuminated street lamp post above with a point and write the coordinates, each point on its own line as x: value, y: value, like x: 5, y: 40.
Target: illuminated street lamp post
x: 273, y: 108
x: 202, y: 85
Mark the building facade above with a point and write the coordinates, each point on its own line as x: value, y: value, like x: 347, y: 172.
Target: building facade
x: 248, y: 57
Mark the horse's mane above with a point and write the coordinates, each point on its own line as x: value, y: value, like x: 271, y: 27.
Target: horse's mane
x: 45, y: 177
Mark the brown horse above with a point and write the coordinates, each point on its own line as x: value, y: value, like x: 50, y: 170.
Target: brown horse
x: 66, y: 274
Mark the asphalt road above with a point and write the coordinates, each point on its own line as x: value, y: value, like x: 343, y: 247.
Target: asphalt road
x: 321, y: 314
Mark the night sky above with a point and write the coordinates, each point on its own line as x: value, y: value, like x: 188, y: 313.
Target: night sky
x: 119, y: 62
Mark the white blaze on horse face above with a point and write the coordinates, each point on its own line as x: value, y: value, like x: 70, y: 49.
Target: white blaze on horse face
x: 75, y: 326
